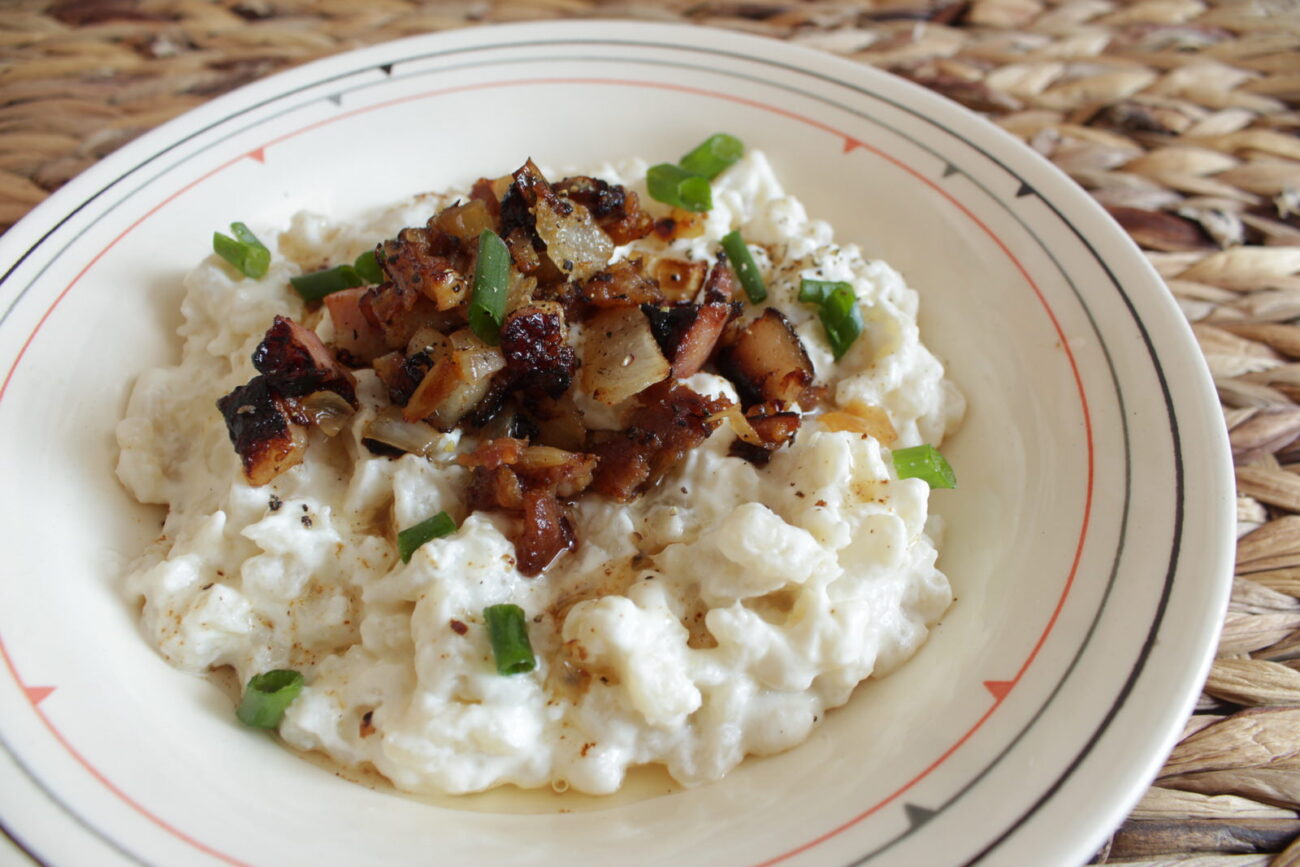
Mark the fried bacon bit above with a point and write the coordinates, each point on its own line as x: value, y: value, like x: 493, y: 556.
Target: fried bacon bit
x: 266, y: 423
x: 538, y: 358
x: 264, y: 428
x: 296, y: 361
x: 615, y: 209
x: 687, y: 333
x: 622, y: 284
x: 527, y: 480
x: 767, y: 361
x: 458, y: 627
x: 432, y: 264
x: 398, y: 313
x: 678, y: 279
x: 774, y: 425
x: 672, y: 420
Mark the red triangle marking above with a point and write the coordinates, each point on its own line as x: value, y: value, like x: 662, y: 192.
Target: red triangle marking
x: 38, y: 694
x: 999, y: 688
x: 851, y: 143
x: 259, y: 155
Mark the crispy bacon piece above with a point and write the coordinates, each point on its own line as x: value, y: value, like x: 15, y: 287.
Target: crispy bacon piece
x: 294, y: 359
x: 615, y: 208
x: 265, y: 429
x: 722, y: 287
x: 537, y: 355
x: 267, y: 426
x: 623, y: 284
x: 399, y: 313
x: 528, y: 480
x: 427, y: 263
x: 687, y: 333
x: 546, y: 532
x: 672, y: 420
x: 775, y: 426
x: 767, y: 361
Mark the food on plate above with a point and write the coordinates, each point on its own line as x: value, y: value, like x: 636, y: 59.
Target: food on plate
x: 544, y: 479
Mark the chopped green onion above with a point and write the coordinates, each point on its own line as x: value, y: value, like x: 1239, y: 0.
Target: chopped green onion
x: 367, y: 268
x: 744, y: 266
x: 244, y: 251
x: 487, y: 306
x: 925, y: 463
x: 712, y: 155
x: 509, y: 636
x: 837, y: 307
x: 318, y: 284
x: 267, y: 696
x: 411, y: 538
x: 674, y: 185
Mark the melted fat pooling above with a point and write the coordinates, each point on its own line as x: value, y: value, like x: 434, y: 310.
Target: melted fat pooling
x: 719, y: 615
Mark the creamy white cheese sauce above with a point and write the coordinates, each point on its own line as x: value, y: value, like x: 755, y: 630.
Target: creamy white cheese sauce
x: 721, y: 614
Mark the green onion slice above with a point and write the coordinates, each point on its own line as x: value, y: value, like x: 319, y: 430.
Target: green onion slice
x: 244, y: 251
x: 712, y: 155
x: 674, y: 185
x: 925, y: 463
x: 508, y: 633
x: 487, y: 306
x: 744, y: 266
x: 837, y: 307
x: 267, y: 696
x: 367, y: 268
x: 411, y: 538
x: 318, y: 284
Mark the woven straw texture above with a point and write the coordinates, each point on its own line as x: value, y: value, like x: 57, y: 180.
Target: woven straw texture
x: 1180, y: 116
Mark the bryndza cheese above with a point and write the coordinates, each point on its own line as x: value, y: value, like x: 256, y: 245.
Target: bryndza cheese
x: 719, y: 615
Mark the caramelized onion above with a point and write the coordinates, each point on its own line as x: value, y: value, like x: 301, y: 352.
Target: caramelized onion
x: 390, y: 430
x: 328, y: 410
x: 621, y: 356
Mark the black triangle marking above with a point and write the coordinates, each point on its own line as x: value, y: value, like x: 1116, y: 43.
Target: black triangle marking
x: 918, y: 816
x: 387, y: 68
x: 949, y: 170
x: 336, y: 98
x: 1025, y: 190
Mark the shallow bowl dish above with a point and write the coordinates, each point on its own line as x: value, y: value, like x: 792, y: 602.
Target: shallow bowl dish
x: 1089, y: 544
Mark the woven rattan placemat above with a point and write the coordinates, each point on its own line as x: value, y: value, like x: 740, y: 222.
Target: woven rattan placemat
x: 1180, y: 116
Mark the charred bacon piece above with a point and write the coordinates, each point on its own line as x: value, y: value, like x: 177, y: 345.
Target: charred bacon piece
x: 426, y: 263
x: 722, y: 287
x: 623, y: 284
x: 687, y: 333
x: 672, y: 420
x: 512, y: 476
x: 615, y: 209
x: 297, y: 363
x: 399, y: 313
x: 767, y: 361
x: 775, y: 427
x: 537, y: 355
x: 264, y: 428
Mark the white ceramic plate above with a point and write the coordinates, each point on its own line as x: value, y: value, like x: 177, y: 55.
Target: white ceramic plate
x: 1089, y: 544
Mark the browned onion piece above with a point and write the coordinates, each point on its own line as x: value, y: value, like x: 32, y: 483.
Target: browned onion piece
x: 327, y: 410
x: 577, y: 246
x: 465, y: 220
x: 621, y: 356
x: 460, y: 377
x: 678, y: 279
x: 394, y: 434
